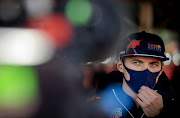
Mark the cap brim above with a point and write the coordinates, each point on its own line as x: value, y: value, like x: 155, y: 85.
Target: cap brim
x: 147, y: 55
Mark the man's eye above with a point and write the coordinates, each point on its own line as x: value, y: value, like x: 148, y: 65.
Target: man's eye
x: 154, y: 64
x: 136, y: 63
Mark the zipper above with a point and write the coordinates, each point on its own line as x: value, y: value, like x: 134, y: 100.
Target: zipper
x: 125, y: 106
x: 142, y: 115
x: 122, y: 104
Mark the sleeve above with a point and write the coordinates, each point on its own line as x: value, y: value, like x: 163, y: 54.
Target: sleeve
x: 168, y: 95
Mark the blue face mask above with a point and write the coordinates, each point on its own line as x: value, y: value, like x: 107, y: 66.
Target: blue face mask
x: 140, y: 78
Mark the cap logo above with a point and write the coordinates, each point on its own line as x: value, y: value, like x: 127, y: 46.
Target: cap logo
x: 133, y: 45
x: 154, y: 47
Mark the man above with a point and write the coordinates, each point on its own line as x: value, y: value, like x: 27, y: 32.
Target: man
x: 140, y: 88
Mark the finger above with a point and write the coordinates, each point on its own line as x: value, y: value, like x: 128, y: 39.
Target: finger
x: 146, y: 109
x: 144, y: 92
x: 150, y: 91
x: 144, y: 96
x: 140, y: 102
x: 141, y: 97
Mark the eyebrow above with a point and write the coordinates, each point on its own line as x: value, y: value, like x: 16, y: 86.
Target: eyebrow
x: 136, y: 60
x: 142, y: 61
x: 155, y: 62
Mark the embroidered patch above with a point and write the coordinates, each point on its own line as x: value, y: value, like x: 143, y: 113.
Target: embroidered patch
x: 117, y: 113
x: 154, y: 47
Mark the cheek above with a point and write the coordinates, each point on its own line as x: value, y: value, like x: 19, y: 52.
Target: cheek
x: 155, y: 69
x: 126, y: 74
x: 138, y: 67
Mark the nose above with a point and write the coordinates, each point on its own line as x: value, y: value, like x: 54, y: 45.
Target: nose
x: 146, y: 66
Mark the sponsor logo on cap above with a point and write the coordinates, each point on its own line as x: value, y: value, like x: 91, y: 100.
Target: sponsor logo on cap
x: 154, y: 47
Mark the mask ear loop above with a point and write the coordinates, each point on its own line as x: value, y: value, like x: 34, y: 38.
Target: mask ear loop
x: 125, y: 68
x: 155, y: 79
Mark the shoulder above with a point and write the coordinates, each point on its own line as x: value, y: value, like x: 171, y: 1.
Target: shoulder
x: 90, y: 99
x: 164, y: 83
x: 165, y: 88
x: 110, y: 78
x: 115, y: 75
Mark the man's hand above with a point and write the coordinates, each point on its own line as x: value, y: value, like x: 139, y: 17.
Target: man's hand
x: 150, y: 101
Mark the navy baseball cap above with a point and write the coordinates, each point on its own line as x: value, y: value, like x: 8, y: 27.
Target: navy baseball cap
x: 143, y: 44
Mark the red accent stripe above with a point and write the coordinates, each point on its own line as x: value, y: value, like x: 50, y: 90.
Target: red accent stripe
x: 127, y: 55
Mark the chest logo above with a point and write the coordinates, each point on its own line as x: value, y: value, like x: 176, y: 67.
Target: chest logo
x: 117, y: 113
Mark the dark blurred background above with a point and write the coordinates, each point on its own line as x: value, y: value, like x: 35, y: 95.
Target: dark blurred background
x: 53, y: 53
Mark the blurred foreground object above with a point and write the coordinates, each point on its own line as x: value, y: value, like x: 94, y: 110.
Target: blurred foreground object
x: 97, y: 30
x: 18, y: 91
x: 18, y: 85
x: 12, y: 13
x: 38, y: 7
x: 55, y: 26
x: 22, y: 46
x: 79, y: 12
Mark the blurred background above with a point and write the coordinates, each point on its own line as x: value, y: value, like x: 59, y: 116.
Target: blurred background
x: 53, y: 53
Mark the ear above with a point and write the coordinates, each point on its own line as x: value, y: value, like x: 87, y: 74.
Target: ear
x: 120, y: 65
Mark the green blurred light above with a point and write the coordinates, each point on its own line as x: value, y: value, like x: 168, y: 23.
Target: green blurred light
x: 18, y: 85
x: 78, y: 11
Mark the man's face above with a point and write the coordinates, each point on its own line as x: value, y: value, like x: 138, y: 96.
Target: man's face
x: 139, y: 63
